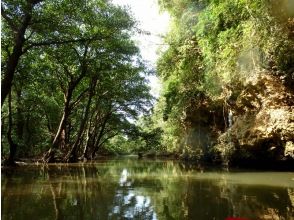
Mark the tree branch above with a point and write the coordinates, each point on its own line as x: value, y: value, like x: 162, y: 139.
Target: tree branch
x: 8, y: 20
x: 58, y: 42
x: 79, y: 98
x: 109, y: 137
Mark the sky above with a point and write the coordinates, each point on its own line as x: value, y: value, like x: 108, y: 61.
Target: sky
x: 150, y: 19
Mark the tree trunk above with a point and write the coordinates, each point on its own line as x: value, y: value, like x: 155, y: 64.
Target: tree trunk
x: 85, y: 156
x: 13, y: 59
x: 72, y: 155
x: 12, y: 146
x: 101, y: 133
x: 90, y: 136
x: 49, y: 156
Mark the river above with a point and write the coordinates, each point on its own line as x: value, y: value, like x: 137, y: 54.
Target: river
x: 128, y: 188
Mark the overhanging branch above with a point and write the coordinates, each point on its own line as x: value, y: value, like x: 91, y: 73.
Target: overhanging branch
x: 60, y: 42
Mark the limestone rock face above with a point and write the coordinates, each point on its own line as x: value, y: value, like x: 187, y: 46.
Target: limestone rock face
x: 263, y: 122
x: 289, y: 149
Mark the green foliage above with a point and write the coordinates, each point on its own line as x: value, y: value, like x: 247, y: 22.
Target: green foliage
x: 79, y: 81
x: 214, y: 46
x: 137, y: 139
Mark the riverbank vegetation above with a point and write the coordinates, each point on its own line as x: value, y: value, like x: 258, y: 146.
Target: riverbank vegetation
x: 228, y: 79
x: 72, y: 78
x: 73, y: 82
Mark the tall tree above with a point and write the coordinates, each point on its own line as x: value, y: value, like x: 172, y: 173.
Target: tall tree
x: 77, y: 66
x: 36, y: 23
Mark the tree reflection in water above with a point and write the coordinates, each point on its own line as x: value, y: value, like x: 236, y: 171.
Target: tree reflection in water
x: 131, y: 189
x: 128, y: 205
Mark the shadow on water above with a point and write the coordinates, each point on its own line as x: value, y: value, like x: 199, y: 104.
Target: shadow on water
x: 131, y: 189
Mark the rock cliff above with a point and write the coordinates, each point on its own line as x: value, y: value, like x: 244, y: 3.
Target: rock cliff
x: 262, y: 129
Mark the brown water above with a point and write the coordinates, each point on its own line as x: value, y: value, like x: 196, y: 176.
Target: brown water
x: 141, y: 189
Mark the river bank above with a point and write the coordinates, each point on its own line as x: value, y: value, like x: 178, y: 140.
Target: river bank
x: 152, y: 156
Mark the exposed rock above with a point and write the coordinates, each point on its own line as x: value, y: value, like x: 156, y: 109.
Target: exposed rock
x: 263, y: 123
x: 289, y: 149
x: 203, y: 122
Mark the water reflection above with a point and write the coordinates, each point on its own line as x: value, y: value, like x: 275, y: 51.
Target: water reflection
x: 128, y: 204
x: 131, y: 189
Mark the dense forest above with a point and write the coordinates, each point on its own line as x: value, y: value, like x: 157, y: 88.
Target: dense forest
x: 72, y: 78
x: 74, y: 84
